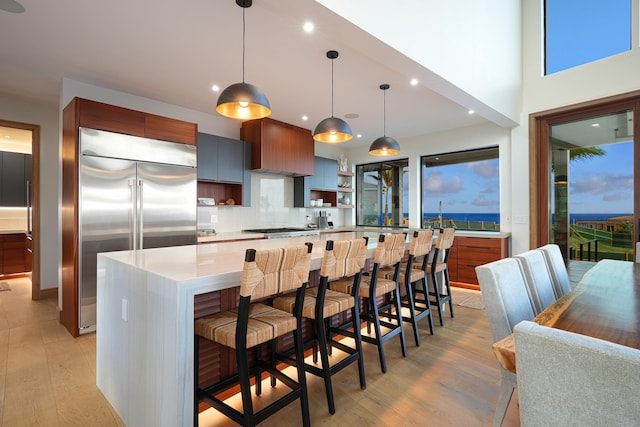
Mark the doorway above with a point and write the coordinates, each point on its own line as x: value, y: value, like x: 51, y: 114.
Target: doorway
x: 554, y: 134
x: 34, y: 218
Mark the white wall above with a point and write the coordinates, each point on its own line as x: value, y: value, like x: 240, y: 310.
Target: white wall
x: 21, y: 110
x: 472, y: 48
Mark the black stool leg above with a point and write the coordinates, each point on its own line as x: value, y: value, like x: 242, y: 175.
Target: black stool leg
x: 434, y: 279
x: 378, y: 332
x: 321, y: 333
x: 400, y: 323
x: 355, y: 317
x: 245, y: 386
x: 302, y: 380
x: 448, y: 284
x: 412, y: 314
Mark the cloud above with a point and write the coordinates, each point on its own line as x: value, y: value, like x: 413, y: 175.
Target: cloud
x: 621, y: 195
x: 435, y: 183
x: 482, y: 201
x: 485, y: 168
x: 600, y: 184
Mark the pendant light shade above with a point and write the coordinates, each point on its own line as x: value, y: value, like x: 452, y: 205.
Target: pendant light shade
x: 332, y: 129
x: 385, y: 145
x: 243, y: 100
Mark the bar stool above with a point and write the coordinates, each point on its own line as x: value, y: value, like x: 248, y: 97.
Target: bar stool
x: 438, y: 297
x: 416, y: 299
x: 389, y: 252
x: 343, y: 260
x: 265, y: 273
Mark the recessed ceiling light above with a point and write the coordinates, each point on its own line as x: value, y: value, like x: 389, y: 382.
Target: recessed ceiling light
x: 437, y: 158
x: 305, y: 118
x: 414, y: 82
x: 472, y: 111
x: 352, y: 115
x: 596, y: 125
x: 215, y: 88
x: 308, y: 27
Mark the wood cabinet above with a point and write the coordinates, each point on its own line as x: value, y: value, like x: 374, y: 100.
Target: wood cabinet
x: 15, y: 176
x: 224, y: 169
x: 279, y: 147
x: 97, y: 115
x: 469, y: 252
x: 14, y: 258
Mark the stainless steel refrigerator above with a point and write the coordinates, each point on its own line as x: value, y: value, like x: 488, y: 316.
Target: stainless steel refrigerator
x: 135, y: 193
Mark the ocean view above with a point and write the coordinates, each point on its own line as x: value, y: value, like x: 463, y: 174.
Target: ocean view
x: 495, y: 217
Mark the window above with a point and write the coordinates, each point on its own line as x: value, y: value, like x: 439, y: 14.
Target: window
x: 461, y: 190
x: 582, y: 31
x: 381, y: 195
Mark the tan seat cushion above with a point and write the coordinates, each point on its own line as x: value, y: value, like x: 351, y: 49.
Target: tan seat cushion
x: 334, y: 303
x: 383, y: 286
x: 415, y: 274
x: 265, y: 323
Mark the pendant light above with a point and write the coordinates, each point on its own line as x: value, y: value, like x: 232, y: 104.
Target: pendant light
x: 385, y: 145
x: 243, y: 100
x: 332, y: 129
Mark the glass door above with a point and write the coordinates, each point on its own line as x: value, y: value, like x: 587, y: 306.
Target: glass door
x: 592, y: 186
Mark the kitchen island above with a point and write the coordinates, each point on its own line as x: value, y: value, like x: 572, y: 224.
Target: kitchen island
x: 145, y: 315
x: 146, y: 301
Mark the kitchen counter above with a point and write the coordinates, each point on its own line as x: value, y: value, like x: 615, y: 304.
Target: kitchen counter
x: 145, y: 315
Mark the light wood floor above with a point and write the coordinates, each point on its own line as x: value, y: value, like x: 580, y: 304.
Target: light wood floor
x: 47, y: 378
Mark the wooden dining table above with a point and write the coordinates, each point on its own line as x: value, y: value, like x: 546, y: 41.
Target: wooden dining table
x: 605, y: 304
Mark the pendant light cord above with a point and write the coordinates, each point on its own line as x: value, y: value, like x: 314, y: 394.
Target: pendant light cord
x: 384, y: 113
x: 243, y: 42
x: 332, y: 87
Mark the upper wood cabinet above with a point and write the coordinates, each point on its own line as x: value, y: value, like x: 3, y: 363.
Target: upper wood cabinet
x: 97, y: 115
x: 279, y: 147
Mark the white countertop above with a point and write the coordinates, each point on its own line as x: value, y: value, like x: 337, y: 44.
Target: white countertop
x: 194, y: 262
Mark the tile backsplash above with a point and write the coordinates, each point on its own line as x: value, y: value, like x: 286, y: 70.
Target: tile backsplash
x: 271, y: 206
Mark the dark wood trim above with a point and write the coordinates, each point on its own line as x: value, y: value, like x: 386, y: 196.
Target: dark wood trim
x: 35, y: 197
x: 539, y: 162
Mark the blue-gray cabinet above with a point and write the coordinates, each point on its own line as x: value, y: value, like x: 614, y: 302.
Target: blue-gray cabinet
x: 224, y: 169
x: 15, y: 176
x: 323, y: 184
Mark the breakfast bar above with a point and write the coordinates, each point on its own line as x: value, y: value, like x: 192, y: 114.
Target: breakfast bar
x: 146, y: 312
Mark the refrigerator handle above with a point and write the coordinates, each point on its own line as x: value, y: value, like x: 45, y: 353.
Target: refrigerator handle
x: 140, y: 218
x: 134, y: 214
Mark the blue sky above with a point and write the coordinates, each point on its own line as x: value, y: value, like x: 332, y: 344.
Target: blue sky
x: 463, y: 188
x: 603, y: 184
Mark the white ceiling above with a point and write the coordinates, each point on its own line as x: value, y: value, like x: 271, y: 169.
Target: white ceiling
x: 174, y: 51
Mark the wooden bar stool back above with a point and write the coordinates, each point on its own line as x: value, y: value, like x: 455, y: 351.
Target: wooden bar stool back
x: 375, y: 287
x: 343, y: 261
x: 412, y: 274
x: 265, y: 273
x: 438, y: 296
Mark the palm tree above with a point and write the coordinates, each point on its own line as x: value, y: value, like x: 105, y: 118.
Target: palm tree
x: 385, y: 180
x: 583, y: 153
